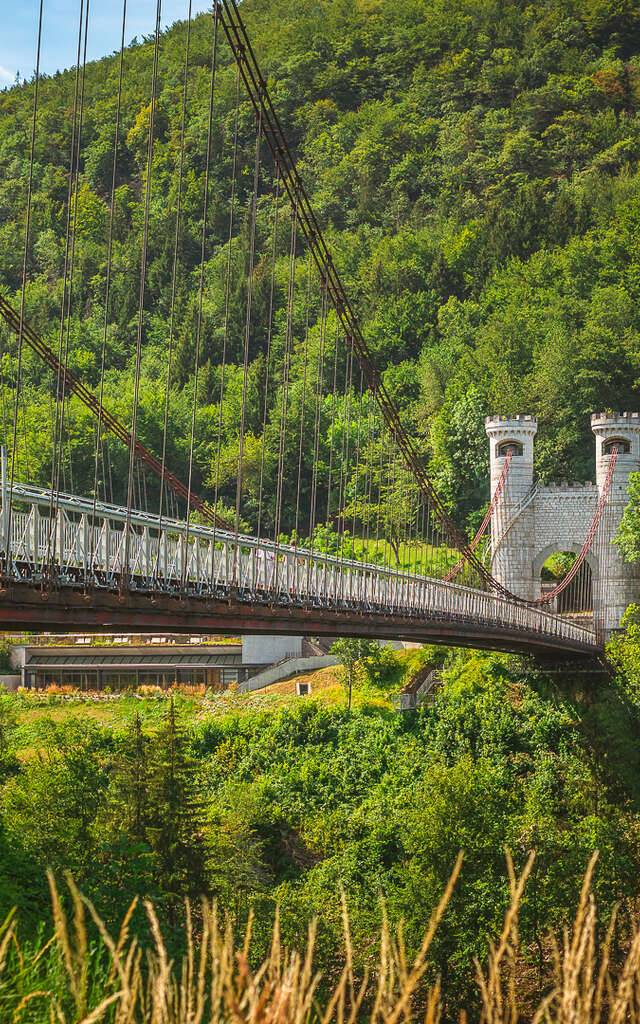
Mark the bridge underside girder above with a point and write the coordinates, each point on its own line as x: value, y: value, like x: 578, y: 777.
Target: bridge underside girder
x: 24, y: 606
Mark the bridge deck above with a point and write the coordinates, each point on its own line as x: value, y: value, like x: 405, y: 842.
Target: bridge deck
x: 26, y: 606
x: 97, y: 566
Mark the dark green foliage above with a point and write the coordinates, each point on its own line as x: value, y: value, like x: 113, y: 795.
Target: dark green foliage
x: 173, y: 825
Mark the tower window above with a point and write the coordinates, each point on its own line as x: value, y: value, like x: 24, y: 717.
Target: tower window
x: 623, y: 446
x: 509, y: 446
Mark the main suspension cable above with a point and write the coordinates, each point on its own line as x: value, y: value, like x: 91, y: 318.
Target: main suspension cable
x: 259, y: 95
x: 143, y: 280
x: 203, y: 253
x: 5, y: 543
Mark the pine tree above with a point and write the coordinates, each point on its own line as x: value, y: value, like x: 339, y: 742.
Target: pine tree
x: 8, y: 724
x: 134, y: 780
x: 128, y: 861
x: 175, y: 829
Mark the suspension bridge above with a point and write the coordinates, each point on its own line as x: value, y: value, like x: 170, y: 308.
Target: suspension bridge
x: 318, y: 516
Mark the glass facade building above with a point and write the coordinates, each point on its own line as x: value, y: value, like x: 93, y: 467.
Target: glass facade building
x: 120, y: 668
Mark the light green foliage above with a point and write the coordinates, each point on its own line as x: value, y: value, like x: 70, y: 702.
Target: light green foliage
x: 353, y: 654
x: 558, y: 565
x: 628, y: 538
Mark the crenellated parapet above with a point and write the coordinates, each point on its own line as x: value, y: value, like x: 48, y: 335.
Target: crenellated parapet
x: 629, y: 418
x: 566, y: 486
x: 522, y: 420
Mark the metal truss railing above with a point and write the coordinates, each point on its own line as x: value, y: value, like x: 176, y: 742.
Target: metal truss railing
x: 75, y: 542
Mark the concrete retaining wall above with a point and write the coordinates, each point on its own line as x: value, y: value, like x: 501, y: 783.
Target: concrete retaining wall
x: 291, y: 667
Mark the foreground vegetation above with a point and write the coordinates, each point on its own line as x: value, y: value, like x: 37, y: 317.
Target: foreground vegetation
x: 82, y: 974
x: 283, y: 804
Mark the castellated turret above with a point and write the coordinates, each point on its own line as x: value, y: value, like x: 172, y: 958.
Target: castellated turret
x: 619, y: 579
x: 533, y: 521
x: 515, y: 433
x: 619, y: 430
x: 514, y: 556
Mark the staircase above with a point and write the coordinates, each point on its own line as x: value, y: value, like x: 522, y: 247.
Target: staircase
x: 420, y: 688
x: 285, y: 669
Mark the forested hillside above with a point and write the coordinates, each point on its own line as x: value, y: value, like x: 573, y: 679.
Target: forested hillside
x: 475, y: 167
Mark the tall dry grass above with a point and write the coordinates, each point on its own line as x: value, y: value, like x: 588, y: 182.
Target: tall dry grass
x: 215, y: 983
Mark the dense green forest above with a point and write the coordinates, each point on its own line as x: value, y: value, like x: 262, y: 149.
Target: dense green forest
x: 284, y: 807
x: 474, y: 166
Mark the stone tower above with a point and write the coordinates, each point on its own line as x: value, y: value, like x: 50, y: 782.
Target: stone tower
x: 533, y: 521
x: 513, y: 558
x: 620, y: 580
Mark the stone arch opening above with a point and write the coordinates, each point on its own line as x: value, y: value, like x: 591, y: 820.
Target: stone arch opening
x: 621, y: 443
x: 515, y: 447
x: 577, y: 600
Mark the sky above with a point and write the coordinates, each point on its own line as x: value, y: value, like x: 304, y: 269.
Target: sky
x: 19, y: 33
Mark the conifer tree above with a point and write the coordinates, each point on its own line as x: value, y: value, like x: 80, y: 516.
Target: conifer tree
x: 134, y: 780
x: 8, y: 724
x: 128, y: 863
x: 175, y: 829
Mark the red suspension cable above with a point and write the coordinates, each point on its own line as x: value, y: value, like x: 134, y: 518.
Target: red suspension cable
x: 487, y: 519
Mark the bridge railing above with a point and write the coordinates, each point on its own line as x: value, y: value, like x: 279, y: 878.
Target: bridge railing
x: 77, y: 541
